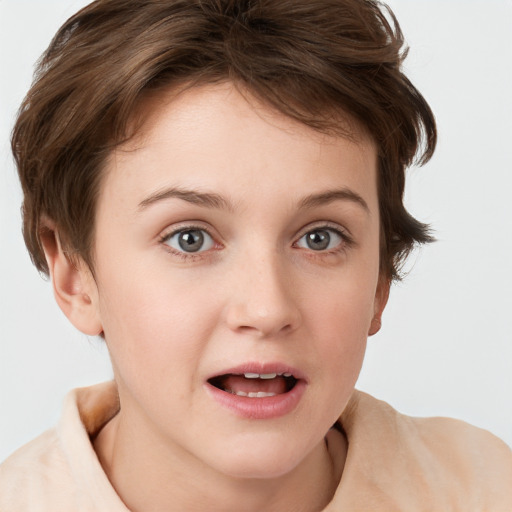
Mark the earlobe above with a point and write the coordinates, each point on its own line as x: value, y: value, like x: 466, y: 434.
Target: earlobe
x: 381, y: 299
x: 73, y: 285
x: 375, y: 325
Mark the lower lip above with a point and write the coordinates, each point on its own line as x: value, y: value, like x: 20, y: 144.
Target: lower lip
x: 259, y: 408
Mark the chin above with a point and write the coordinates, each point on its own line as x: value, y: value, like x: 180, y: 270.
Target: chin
x: 259, y: 459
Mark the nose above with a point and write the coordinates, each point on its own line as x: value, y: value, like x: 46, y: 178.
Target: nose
x: 262, y: 301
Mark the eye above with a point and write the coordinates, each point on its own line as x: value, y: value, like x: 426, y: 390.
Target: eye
x: 190, y: 240
x: 320, y: 239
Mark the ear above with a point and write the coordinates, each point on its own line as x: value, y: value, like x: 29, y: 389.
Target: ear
x: 381, y: 299
x: 73, y: 285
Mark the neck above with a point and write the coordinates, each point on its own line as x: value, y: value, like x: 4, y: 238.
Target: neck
x: 152, y: 476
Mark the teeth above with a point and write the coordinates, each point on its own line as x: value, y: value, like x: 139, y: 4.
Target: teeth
x: 259, y: 394
x: 265, y: 375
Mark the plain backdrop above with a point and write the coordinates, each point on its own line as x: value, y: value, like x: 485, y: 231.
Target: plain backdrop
x: 446, y: 344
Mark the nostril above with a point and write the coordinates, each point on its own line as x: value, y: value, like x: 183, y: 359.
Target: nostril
x: 263, y: 330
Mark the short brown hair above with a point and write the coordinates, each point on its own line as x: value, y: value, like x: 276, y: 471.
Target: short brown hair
x: 306, y: 58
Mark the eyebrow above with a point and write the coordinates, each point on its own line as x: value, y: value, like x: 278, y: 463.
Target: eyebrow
x: 205, y: 199
x: 344, y: 194
x: 213, y: 200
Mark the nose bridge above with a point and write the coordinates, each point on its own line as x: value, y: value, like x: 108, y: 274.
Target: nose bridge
x: 263, y: 301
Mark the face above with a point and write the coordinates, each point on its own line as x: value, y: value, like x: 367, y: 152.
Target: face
x: 236, y: 278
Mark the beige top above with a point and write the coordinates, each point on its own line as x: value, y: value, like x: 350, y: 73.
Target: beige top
x: 394, y: 463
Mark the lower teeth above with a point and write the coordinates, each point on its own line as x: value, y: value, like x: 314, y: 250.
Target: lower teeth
x: 259, y: 394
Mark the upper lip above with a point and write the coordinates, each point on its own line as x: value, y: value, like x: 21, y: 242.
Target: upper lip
x: 261, y: 368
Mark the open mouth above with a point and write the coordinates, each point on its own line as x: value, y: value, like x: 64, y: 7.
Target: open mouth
x: 254, y: 385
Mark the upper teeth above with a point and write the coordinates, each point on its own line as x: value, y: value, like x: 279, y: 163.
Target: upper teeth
x: 265, y: 375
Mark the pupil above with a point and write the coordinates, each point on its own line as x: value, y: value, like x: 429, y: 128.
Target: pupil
x: 318, y: 240
x: 191, y: 241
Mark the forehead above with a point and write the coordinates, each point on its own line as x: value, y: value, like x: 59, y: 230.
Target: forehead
x: 219, y: 136
x: 183, y: 102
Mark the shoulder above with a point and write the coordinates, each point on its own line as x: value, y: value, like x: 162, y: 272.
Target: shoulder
x: 59, y: 471
x: 32, y: 474
x: 473, y: 453
x: 430, y: 463
x: 474, y: 465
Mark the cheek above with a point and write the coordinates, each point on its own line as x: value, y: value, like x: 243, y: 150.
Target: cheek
x: 150, y: 327
x: 345, y: 307
x: 344, y: 338
x: 340, y: 319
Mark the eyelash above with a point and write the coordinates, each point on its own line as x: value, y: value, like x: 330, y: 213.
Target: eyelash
x: 346, y: 241
x: 188, y: 256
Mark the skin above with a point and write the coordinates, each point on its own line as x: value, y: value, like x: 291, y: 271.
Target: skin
x: 256, y: 293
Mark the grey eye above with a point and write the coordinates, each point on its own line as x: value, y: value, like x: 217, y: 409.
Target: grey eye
x: 190, y: 240
x: 320, y: 240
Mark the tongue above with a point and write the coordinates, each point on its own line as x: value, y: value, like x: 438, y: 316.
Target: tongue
x: 236, y: 383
